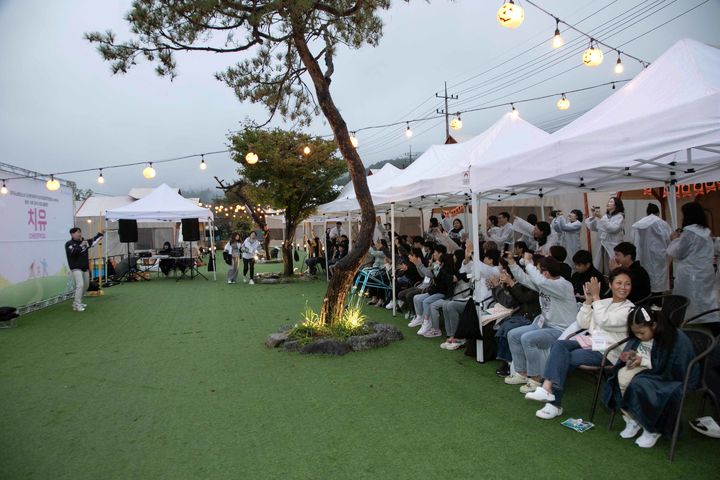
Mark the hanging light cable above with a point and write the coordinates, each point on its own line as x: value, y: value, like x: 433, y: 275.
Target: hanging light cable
x: 557, y: 40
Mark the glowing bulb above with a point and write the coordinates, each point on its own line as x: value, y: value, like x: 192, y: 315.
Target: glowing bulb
x: 557, y: 40
x: 89, y: 220
x: 251, y: 158
x: 514, y: 113
x: 619, y: 67
x: 353, y: 140
x: 307, y: 150
x: 149, y: 171
x: 52, y: 184
x: 4, y: 190
x: 456, y: 123
x: 593, y: 56
x: 100, y: 178
x: 408, y: 132
x: 563, y: 103
x: 203, y: 165
x: 510, y: 15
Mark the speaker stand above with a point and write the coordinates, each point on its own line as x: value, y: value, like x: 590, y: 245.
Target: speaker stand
x: 194, y: 272
x: 132, y: 274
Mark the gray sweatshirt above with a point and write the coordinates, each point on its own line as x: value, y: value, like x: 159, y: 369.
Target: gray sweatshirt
x: 557, y: 298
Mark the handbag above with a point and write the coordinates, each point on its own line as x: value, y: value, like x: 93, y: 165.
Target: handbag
x: 227, y: 257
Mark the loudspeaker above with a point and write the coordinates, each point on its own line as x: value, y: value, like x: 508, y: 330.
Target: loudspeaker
x: 190, y: 230
x: 128, y: 232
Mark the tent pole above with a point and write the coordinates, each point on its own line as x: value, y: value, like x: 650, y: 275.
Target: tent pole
x: 542, y: 206
x: 465, y: 217
x: 422, y: 223
x: 672, y: 205
x: 474, y: 199
x: 392, y: 249
x: 212, y: 248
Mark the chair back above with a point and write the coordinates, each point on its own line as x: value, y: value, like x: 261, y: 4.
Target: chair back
x: 673, y: 307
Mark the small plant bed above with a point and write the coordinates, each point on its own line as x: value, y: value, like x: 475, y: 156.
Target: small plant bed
x: 270, y: 278
x: 351, y: 333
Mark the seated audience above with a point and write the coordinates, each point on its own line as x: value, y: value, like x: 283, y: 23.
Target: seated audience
x: 625, y: 254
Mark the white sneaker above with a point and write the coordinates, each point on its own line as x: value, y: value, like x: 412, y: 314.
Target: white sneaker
x: 631, y: 428
x: 84, y: 305
x: 707, y: 426
x: 549, y: 411
x: 539, y: 394
x: 456, y: 344
x: 432, y: 333
x: 78, y: 308
x: 251, y: 282
x: 230, y: 281
x: 407, y: 315
x: 647, y: 439
x: 415, y: 322
x: 516, y: 379
x: 426, y: 325
x: 530, y: 386
x: 244, y: 279
x: 400, y: 303
x: 390, y: 305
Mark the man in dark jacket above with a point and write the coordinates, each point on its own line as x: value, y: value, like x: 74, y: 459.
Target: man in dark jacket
x: 584, y: 271
x: 625, y: 253
x: 76, y: 250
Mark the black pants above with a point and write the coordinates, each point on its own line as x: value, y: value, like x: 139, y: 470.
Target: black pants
x: 249, y: 262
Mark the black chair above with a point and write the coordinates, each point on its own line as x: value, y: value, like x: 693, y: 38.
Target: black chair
x: 601, y: 373
x: 673, y: 307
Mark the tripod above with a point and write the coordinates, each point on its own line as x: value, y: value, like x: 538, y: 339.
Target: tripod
x: 132, y: 272
x: 194, y: 272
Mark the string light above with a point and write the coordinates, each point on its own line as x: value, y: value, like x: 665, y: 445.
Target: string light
x: 510, y: 15
x: 353, y: 140
x: 456, y: 123
x: 203, y: 165
x: 557, y: 40
x: 593, y: 56
x: 408, y: 132
x: 149, y: 172
x: 563, y: 103
x: 619, y: 68
x: 307, y: 150
x: 514, y: 113
x: 4, y: 190
x: 251, y: 158
x: 52, y: 184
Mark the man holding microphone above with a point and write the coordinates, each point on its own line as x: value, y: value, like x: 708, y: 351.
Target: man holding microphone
x: 76, y: 250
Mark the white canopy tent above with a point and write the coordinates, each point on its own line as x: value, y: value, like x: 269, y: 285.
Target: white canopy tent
x: 346, y: 200
x: 164, y: 204
x: 662, y: 127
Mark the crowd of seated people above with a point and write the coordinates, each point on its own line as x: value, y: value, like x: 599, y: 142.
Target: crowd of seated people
x: 561, y: 308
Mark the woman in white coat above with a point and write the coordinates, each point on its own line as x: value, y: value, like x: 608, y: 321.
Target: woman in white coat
x: 692, y: 250
x: 610, y: 231
x: 569, y: 232
x: 651, y: 238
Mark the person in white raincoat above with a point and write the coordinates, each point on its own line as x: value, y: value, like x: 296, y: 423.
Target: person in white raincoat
x: 692, y: 250
x: 569, y: 232
x: 651, y: 238
x: 610, y: 231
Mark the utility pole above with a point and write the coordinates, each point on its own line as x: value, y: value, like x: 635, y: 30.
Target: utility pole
x: 446, y: 111
x: 410, y: 159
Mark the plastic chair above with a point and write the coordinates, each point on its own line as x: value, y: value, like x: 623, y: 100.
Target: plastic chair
x: 601, y: 372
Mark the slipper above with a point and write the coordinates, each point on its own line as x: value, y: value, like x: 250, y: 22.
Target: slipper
x: 707, y: 426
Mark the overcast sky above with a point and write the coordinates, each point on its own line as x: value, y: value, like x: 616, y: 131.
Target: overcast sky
x: 61, y: 109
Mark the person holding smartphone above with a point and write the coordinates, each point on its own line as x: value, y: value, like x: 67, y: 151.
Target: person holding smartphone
x: 610, y: 231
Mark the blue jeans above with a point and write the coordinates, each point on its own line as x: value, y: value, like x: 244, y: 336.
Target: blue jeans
x: 423, y: 301
x: 566, y: 356
x: 530, y: 347
x: 503, y: 348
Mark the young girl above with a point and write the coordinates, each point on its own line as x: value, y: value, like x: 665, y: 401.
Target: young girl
x: 250, y: 247
x: 233, y: 248
x: 647, y: 380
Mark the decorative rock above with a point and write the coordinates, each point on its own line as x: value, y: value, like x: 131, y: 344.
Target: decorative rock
x: 392, y: 333
x: 276, y: 339
x: 285, y: 328
x: 327, y: 346
x: 361, y: 343
x: 291, y: 346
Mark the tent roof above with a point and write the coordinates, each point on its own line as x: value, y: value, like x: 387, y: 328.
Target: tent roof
x: 96, y: 206
x: 346, y: 200
x: 141, y: 192
x: 663, y: 125
x: 163, y: 204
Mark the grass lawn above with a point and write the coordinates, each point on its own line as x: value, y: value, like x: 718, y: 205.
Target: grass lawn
x: 172, y: 380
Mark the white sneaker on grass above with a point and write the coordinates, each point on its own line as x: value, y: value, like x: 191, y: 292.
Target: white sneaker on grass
x: 426, y: 325
x: 540, y: 395
x: 632, y: 428
x: 707, y: 426
x: 647, y: 439
x: 390, y: 305
x: 432, y: 333
x: 415, y: 322
x: 244, y: 279
x: 78, y: 308
x: 549, y: 411
x: 530, y: 386
x: 456, y: 344
x: 516, y: 379
x: 251, y: 282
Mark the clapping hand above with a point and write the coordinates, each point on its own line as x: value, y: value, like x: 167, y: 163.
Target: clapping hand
x: 592, y: 290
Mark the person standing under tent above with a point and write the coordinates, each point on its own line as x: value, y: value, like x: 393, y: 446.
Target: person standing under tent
x: 504, y: 234
x: 652, y: 237
x: 539, y: 236
x: 76, y: 251
x: 610, y: 230
x: 233, y: 249
x: 454, y: 228
x: 525, y: 229
x: 692, y: 251
x: 334, y: 236
x: 569, y: 232
x: 250, y: 247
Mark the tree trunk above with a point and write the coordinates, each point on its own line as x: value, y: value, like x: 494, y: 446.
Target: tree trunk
x: 345, y: 270
x: 287, y: 249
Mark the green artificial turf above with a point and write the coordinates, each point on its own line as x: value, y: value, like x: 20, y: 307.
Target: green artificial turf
x: 172, y: 380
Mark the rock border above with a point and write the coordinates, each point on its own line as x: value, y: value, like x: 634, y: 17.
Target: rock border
x: 382, y: 335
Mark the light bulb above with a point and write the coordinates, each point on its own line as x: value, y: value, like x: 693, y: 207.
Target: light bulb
x: 52, y: 184
x: 4, y: 190
x: 353, y: 140
x: 619, y: 67
x: 593, y: 56
x: 557, y: 40
x: 149, y: 172
x: 563, y: 103
x: 307, y: 150
x: 203, y: 165
x: 514, y: 113
x: 100, y: 178
x: 456, y: 123
x: 251, y: 158
x: 408, y: 132
x: 510, y: 15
